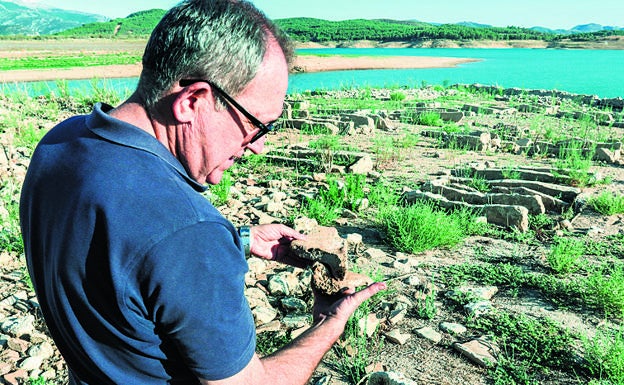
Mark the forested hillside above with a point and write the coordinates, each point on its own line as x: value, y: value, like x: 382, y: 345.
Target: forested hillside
x: 317, y: 30
x: 140, y: 24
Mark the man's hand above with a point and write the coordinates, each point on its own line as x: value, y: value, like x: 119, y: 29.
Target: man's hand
x: 272, y: 242
x: 343, y: 305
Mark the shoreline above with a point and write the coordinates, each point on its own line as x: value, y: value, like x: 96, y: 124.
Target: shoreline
x: 302, y: 63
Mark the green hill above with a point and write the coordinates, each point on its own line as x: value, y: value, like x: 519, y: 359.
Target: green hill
x: 317, y: 30
x: 139, y: 24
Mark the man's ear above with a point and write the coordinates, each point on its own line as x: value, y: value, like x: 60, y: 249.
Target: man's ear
x: 186, y: 104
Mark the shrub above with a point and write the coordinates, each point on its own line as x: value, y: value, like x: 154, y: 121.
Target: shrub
x: 607, y: 203
x: 422, y: 227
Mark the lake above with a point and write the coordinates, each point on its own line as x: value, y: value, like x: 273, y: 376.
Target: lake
x: 591, y: 72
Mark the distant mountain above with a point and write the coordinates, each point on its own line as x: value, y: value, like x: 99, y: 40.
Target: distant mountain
x: 473, y: 24
x: 583, y: 28
x: 21, y: 18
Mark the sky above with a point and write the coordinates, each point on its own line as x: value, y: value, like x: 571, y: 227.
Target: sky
x: 554, y: 14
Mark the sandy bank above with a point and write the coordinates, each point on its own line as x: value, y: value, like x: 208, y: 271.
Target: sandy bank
x: 309, y: 63
x: 304, y: 63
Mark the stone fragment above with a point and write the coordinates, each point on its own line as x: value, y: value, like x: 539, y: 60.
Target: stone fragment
x: 478, y: 308
x: 17, y: 344
x: 297, y: 332
x: 363, y: 165
x: 413, y: 280
x: 296, y: 321
x: 479, y: 351
x: 324, y: 283
x: 397, y: 337
x: 31, y: 363
x: 477, y: 292
x: 397, y: 316
x: 368, y: 324
x: 5, y: 367
x: 606, y: 155
x: 256, y: 297
x: 15, y: 378
x: 18, y: 326
x: 294, y: 304
x: 389, y: 378
x: 264, y: 314
x: 377, y: 255
x: 324, y: 244
x: 453, y: 328
x: 273, y: 326
x: 354, y: 239
x: 429, y: 333
x: 325, y: 380
x: 283, y: 284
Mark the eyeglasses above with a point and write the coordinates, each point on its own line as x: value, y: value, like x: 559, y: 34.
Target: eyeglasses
x: 264, y: 128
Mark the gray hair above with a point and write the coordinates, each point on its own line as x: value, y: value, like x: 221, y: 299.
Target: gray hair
x: 223, y: 41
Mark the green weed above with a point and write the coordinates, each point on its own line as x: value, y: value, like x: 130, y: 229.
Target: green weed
x: 219, y: 193
x: 565, y: 255
x: 573, y: 165
x: 327, y: 205
x: 386, y: 153
x: 354, y: 191
x: 607, y: 203
x: 425, y: 303
x: 83, y: 60
x: 10, y: 233
x: 269, y: 342
x: 511, y: 173
x: 604, y: 289
x: 429, y: 118
x: 397, y: 96
x: 529, y: 346
x: 604, y: 355
x: 422, y: 227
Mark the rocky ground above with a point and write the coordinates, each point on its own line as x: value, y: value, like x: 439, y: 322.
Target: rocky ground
x: 402, y: 342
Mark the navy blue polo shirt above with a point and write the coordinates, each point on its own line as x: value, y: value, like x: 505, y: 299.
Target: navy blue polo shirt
x: 140, y: 279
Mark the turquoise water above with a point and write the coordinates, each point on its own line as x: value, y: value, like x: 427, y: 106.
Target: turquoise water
x: 591, y: 72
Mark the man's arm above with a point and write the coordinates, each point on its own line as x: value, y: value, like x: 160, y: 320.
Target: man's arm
x: 295, y: 363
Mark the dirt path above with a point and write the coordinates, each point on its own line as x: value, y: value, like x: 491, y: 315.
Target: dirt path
x: 301, y: 64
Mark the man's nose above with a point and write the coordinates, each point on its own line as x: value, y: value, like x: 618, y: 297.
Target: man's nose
x: 257, y: 146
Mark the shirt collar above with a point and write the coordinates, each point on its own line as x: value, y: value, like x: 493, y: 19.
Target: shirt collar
x: 126, y: 134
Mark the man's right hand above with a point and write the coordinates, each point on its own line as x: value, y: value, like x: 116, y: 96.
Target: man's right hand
x: 342, y: 306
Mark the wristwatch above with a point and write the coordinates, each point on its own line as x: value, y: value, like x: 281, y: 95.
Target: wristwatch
x: 245, y: 234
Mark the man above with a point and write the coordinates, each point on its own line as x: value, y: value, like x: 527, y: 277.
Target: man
x: 139, y: 278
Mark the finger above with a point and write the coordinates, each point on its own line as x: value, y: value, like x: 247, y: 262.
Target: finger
x: 364, y: 294
x: 288, y: 232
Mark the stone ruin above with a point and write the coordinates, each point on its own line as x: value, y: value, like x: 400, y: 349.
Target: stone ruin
x: 547, y: 102
x: 533, y: 191
x: 509, y: 202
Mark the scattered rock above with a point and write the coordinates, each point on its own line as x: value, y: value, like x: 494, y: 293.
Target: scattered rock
x: 389, y: 378
x: 480, y: 351
x: 429, y: 334
x: 397, y: 337
x: 453, y: 328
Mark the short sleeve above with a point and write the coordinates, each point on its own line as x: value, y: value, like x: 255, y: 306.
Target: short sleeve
x: 193, y: 288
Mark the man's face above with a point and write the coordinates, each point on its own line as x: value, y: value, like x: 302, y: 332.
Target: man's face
x: 226, y: 133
